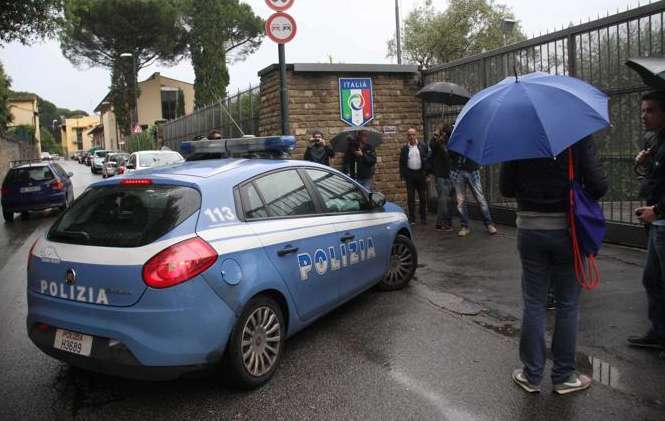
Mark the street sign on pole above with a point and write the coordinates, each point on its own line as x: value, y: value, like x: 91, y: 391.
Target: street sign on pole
x: 279, y: 5
x: 281, y: 28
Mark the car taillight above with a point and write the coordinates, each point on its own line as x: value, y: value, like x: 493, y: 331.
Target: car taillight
x: 136, y: 182
x: 57, y: 185
x: 178, y: 263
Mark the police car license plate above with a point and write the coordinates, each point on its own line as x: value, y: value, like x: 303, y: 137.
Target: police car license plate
x: 30, y: 189
x: 76, y: 343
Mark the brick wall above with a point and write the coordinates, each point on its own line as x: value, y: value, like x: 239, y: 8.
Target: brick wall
x: 314, y: 104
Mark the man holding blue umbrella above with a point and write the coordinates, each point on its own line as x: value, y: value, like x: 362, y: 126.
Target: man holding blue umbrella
x: 530, y: 122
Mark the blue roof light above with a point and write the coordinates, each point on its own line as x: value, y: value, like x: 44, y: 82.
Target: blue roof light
x: 272, y: 146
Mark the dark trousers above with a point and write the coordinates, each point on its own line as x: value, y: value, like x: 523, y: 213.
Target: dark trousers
x: 415, y: 182
x: 547, y: 261
x: 654, y: 280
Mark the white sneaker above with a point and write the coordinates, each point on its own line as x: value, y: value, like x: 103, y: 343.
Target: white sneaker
x: 574, y: 383
x: 491, y: 229
x: 464, y: 232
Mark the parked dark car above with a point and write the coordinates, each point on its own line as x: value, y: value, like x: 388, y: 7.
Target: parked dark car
x: 35, y: 185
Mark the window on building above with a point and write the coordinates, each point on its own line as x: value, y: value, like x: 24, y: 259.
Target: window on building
x: 172, y: 103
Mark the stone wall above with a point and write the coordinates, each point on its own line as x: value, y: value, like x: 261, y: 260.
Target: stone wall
x: 14, y: 150
x: 314, y: 104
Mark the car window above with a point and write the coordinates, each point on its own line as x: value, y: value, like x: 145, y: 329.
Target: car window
x: 132, y: 160
x: 285, y: 194
x: 101, y: 154
x: 60, y: 171
x: 338, y: 193
x: 31, y: 175
x: 251, y: 202
x: 125, y: 216
x: 159, y: 159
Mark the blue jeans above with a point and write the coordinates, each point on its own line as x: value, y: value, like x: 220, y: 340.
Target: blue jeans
x: 445, y: 207
x: 366, y: 183
x: 547, y: 259
x: 654, y: 280
x: 472, y: 178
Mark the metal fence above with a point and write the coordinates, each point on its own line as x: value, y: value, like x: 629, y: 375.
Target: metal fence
x: 241, y: 109
x: 595, y: 52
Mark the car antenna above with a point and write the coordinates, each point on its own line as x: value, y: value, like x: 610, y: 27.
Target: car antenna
x: 242, y: 133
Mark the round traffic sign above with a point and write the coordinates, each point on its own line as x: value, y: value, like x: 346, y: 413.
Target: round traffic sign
x: 281, y: 28
x: 279, y: 5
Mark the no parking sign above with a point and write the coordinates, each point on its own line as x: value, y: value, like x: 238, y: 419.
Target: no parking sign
x: 279, y: 5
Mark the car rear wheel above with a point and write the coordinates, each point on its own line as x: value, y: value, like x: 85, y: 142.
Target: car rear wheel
x: 402, y: 266
x: 256, y: 344
x: 8, y: 215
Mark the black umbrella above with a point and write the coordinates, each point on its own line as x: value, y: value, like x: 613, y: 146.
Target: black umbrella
x: 651, y: 69
x: 340, y: 143
x: 444, y: 93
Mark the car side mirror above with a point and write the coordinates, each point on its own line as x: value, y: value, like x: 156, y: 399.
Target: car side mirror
x: 70, y: 174
x: 377, y: 199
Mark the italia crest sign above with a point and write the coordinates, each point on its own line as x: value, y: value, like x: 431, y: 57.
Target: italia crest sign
x: 356, y: 101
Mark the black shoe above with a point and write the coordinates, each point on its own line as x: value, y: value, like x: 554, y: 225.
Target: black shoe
x: 439, y: 228
x: 647, y: 341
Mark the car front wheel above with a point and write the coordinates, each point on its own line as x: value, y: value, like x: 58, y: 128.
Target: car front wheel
x: 402, y: 265
x: 256, y: 344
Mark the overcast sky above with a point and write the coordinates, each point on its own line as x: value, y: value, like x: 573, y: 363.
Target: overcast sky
x: 346, y: 31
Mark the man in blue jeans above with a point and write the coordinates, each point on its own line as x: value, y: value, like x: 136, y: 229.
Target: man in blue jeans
x: 653, y: 191
x: 467, y: 172
x: 541, y: 188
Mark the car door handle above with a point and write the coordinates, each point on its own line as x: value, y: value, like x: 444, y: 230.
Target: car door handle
x: 347, y: 237
x: 287, y: 250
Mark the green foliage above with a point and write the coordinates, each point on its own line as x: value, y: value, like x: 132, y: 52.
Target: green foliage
x: 22, y: 132
x: 144, y: 141
x: 221, y: 30
x: 97, y: 33
x: 49, y: 143
x: 465, y: 28
x: 5, y: 115
x: 26, y: 20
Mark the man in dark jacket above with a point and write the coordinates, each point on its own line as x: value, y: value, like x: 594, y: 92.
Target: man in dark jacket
x: 541, y: 188
x: 440, y: 167
x: 413, y: 167
x: 360, y: 160
x: 318, y: 151
x: 653, y: 279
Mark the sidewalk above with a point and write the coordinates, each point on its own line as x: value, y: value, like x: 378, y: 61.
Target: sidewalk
x: 478, y: 277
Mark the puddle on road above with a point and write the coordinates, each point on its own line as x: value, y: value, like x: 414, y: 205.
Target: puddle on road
x: 506, y: 329
x: 599, y: 370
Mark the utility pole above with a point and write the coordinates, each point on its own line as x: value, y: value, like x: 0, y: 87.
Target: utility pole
x: 397, y: 36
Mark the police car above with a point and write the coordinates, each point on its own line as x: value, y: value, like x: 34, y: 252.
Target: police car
x: 209, y: 262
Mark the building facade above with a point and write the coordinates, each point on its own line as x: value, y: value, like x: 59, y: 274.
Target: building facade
x: 24, y: 112
x: 76, y: 133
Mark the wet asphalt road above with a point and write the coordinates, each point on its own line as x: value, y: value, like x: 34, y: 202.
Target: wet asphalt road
x: 441, y: 349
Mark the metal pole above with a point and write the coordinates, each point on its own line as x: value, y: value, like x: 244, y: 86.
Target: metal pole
x: 136, y: 91
x: 397, y: 33
x: 283, y: 90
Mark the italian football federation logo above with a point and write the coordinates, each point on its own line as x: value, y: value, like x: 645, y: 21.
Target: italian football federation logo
x: 356, y: 101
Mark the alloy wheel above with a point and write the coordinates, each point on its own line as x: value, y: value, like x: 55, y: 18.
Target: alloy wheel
x: 261, y: 340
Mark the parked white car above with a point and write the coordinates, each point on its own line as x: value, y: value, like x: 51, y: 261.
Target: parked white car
x: 149, y: 159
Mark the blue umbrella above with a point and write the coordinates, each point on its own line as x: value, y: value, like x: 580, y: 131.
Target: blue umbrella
x: 532, y: 116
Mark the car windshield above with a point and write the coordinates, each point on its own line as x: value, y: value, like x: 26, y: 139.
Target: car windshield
x: 100, y: 154
x: 125, y: 216
x: 118, y: 157
x: 30, y: 175
x: 158, y: 159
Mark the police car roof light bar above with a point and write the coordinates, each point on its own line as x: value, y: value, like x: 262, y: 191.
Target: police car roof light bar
x: 272, y: 146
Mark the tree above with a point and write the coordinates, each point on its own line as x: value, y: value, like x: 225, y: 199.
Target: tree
x: 5, y: 115
x: 465, y: 28
x: 26, y: 20
x: 221, y: 30
x: 101, y: 33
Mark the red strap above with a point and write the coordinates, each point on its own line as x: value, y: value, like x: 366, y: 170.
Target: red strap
x: 586, y: 269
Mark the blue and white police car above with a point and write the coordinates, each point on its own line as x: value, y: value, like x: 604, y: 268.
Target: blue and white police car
x: 209, y: 263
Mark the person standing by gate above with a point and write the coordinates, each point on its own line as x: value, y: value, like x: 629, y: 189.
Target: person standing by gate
x: 413, y: 167
x: 653, y: 190
x: 440, y: 163
x: 466, y: 172
x: 541, y: 187
x: 318, y: 151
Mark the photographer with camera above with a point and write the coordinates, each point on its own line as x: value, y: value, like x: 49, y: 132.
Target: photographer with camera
x: 318, y: 151
x: 360, y: 159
